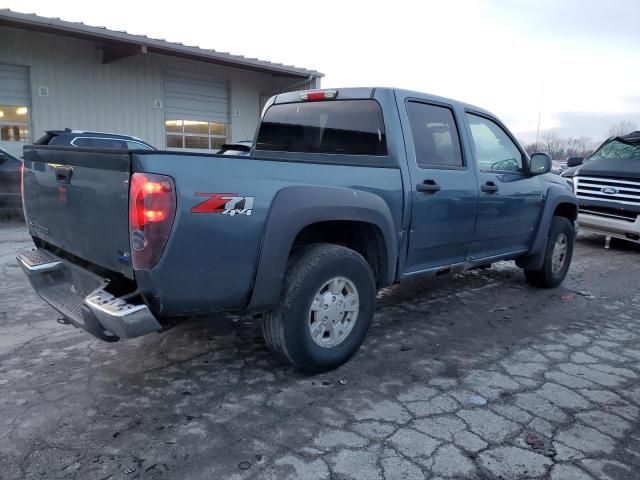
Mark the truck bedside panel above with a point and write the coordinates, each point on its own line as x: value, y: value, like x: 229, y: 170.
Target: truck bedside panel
x: 210, y: 259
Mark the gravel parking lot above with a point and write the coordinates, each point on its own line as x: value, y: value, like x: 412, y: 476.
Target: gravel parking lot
x: 473, y: 376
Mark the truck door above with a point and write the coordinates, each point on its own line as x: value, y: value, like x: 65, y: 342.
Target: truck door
x: 510, y: 199
x: 444, y: 187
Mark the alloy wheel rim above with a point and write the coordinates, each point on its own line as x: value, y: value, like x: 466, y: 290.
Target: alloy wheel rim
x: 559, y: 254
x: 333, y: 312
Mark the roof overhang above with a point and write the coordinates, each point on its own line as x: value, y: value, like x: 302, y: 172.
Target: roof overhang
x: 117, y: 45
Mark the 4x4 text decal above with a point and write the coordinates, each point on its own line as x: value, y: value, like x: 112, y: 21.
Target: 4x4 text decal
x: 224, y: 203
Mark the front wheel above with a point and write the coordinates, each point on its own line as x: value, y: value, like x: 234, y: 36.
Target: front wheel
x: 557, y: 258
x: 326, y: 308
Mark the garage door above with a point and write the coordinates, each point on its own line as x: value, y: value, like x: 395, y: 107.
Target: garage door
x: 14, y: 108
x: 196, y: 111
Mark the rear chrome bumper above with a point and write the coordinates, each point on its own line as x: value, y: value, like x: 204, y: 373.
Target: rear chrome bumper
x: 613, y: 227
x: 80, y: 296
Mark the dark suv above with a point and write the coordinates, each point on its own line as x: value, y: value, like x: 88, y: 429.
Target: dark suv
x: 84, y: 139
x: 10, y: 199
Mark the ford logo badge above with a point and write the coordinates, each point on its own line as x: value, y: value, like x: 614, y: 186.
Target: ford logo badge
x: 609, y: 190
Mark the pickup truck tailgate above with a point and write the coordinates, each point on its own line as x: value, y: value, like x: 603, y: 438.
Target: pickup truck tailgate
x: 77, y: 200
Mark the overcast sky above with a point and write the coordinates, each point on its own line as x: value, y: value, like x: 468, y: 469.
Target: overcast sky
x: 576, y: 61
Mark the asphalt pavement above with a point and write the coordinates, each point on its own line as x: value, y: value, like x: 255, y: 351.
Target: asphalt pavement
x: 470, y: 376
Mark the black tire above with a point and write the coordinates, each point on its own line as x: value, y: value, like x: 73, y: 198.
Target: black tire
x: 546, y: 277
x: 286, y: 328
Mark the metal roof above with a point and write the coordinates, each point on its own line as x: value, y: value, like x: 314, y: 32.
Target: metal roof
x: 31, y: 21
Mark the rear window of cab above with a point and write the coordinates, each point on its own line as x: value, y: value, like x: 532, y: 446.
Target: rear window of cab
x: 346, y: 127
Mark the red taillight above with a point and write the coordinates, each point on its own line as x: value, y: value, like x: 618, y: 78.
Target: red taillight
x: 321, y: 95
x: 152, y: 206
x: 154, y: 215
x: 156, y: 187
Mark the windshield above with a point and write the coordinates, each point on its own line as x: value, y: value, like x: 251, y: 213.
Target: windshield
x: 617, y: 149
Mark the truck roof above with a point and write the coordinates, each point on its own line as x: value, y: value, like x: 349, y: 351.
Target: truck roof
x: 368, y: 92
x: 633, y: 137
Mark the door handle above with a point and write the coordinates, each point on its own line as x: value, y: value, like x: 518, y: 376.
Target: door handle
x: 63, y: 174
x: 428, y: 186
x: 489, y: 187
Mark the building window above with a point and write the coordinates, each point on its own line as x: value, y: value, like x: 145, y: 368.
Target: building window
x: 14, y: 123
x: 195, y: 134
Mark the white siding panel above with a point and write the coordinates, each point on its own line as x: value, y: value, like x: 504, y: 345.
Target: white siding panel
x: 119, y: 97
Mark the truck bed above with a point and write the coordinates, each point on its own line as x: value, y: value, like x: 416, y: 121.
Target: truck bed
x: 209, y: 261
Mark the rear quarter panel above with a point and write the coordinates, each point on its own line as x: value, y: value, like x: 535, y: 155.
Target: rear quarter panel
x: 210, y: 259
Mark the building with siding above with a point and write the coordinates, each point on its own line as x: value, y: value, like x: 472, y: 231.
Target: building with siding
x: 56, y: 74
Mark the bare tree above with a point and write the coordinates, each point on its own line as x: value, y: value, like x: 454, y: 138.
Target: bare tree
x: 621, y: 128
x: 530, y: 148
x: 552, y: 144
x: 560, y: 148
x: 584, y: 147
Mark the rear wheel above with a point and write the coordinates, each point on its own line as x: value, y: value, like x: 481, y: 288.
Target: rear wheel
x: 325, y: 310
x: 557, y: 258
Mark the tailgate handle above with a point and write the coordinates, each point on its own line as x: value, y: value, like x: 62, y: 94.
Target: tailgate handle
x: 63, y: 173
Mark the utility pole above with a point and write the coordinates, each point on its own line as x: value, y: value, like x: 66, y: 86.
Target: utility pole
x: 540, y: 114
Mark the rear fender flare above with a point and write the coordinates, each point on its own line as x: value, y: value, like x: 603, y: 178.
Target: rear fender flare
x: 295, y: 208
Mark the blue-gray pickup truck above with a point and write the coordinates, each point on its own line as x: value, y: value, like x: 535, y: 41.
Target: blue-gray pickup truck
x: 345, y: 192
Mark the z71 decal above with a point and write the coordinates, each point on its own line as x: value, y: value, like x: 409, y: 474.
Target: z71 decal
x: 224, y: 203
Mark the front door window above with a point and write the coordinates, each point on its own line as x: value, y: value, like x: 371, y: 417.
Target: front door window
x: 495, y: 151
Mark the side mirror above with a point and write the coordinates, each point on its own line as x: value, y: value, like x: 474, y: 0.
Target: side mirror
x: 540, y: 163
x: 574, y: 161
